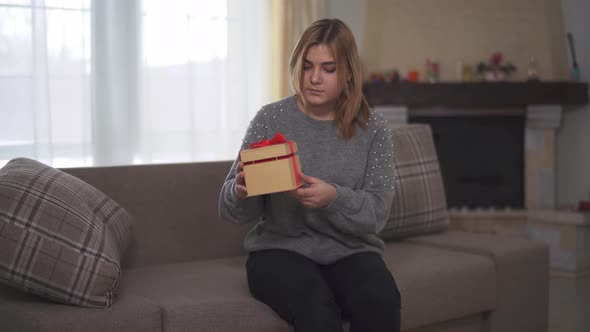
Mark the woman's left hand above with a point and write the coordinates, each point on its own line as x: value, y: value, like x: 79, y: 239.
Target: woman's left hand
x: 316, y: 194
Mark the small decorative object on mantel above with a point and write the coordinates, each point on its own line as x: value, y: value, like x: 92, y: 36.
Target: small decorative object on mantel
x: 467, y: 73
x: 431, y: 70
x: 392, y: 76
x: 413, y: 76
x: 532, y: 72
x: 376, y: 77
x: 386, y: 76
x: 494, y: 69
x: 576, y: 76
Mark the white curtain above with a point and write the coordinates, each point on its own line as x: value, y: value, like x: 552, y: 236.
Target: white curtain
x: 206, y: 72
x: 44, y: 81
x: 294, y: 16
x: 128, y: 81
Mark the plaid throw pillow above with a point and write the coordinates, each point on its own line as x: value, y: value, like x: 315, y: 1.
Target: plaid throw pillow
x: 60, y: 238
x: 420, y: 204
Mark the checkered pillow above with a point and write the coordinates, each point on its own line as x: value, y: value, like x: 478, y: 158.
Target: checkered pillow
x: 60, y: 238
x: 420, y: 204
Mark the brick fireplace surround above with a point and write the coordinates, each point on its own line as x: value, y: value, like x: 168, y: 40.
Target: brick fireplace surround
x: 566, y: 231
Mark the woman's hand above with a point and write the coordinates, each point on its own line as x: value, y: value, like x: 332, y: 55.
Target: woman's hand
x: 316, y: 194
x: 240, y: 182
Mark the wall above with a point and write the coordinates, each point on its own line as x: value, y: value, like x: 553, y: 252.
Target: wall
x: 401, y: 34
x: 573, y: 139
x: 351, y: 12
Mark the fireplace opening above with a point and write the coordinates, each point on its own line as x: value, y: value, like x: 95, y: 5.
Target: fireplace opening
x: 481, y: 159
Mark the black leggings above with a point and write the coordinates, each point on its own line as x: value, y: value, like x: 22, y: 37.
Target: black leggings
x: 314, y: 297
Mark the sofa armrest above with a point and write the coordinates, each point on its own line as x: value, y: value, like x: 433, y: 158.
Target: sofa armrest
x: 522, y: 276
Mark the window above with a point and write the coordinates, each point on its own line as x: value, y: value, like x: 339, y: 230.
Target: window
x: 111, y: 82
x: 44, y: 81
x: 206, y: 72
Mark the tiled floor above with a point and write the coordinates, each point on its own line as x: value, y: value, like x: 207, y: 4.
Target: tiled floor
x: 569, y: 304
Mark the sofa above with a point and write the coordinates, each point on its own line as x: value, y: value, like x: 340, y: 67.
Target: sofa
x: 184, y: 268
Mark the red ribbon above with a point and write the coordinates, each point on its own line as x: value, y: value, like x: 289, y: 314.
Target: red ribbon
x: 279, y: 139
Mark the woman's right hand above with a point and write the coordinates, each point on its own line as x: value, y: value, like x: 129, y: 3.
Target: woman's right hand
x: 240, y: 182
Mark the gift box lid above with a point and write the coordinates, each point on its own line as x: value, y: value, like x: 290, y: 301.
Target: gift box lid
x: 270, y: 151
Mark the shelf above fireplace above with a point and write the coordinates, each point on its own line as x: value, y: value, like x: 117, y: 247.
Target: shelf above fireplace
x: 477, y: 94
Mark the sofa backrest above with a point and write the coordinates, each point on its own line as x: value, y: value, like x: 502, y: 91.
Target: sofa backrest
x: 175, y: 208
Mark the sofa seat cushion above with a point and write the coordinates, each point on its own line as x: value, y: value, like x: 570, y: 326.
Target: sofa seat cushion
x: 438, y: 285
x: 210, y: 294
x: 522, y: 277
x: 20, y: 311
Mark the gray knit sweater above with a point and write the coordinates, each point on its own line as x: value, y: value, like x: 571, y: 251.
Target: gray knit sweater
x: 360, y: 168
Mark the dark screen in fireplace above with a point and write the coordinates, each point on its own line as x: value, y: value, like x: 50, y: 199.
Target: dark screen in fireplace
x: 481, y: 159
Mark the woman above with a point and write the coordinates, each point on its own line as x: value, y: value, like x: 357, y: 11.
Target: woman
x: 314, y: 254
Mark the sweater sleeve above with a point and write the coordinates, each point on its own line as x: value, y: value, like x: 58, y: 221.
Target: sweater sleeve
x: 250, y: 209
x: 365, y: 210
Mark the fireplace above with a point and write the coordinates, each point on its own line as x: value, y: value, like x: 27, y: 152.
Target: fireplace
x: 481, y: 159
x: 496, y: 147
x: 495, y: 140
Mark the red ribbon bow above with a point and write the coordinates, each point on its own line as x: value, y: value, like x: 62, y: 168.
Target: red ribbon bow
x: 277, y: 139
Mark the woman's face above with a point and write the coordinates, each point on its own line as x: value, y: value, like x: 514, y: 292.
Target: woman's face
x: 320, y: 79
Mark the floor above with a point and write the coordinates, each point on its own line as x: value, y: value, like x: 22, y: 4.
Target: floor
x: 569, y: 304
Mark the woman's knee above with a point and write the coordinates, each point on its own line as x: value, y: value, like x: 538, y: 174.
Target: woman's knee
x: 376, y: 299
x: 375, y: 310
x: 317, y: 315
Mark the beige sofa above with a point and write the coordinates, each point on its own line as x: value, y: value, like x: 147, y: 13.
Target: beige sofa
x: 185, y: 269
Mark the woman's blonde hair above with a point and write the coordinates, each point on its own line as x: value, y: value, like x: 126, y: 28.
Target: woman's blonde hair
x: 352, y: 108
